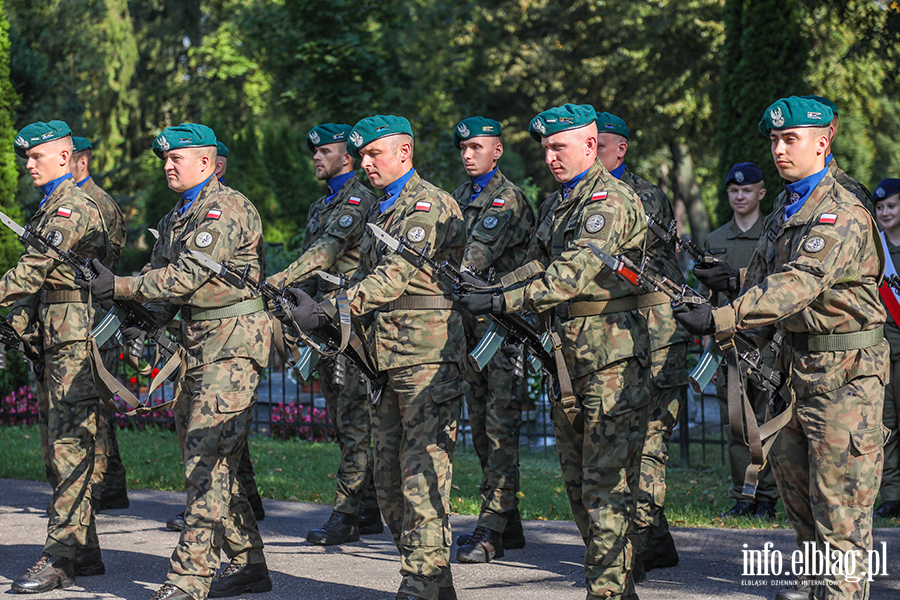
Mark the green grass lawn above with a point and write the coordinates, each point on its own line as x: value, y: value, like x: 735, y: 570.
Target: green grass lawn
x: 304, y: 472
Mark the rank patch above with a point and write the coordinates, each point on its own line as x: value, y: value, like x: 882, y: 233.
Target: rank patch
x: 203, y: 239
x: 814, y: 244
x: 346, y: 221
x: 55, y: 238
x: 214, y: 214
x: 423, y: 206
x: 594, y: 223
x: 415, y: 234
x: 828, y: 218
x: 490, y: 222
x: 64, y: 211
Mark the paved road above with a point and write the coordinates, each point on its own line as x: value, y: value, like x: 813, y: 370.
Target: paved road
x: 136, y: 547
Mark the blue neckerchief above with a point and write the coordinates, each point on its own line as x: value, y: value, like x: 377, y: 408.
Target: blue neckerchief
x: 222, y: 180
x: 570, y: 185
x: 480, y: 182
x: 800, y: 190
x: 335, y: 184
x: 81, y: 183
x: 189, y: 196
x: 618, y: 171
x: 49, y: 187
x: 828, y: 159
x: 392, y: 191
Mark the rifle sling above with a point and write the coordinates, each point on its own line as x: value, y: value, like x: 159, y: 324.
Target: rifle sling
x: 419, y: 303
x: 245, y: 307
x: 64, y: 296
x: 570, y: 310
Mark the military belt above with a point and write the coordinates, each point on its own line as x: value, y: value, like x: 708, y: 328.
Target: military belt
x: 835, y: 342
x: 570, y: 310
x: 247, y: 307
x: 63, y: 296
x: 419, y: 303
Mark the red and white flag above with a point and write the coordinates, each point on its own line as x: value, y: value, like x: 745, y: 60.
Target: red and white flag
x: 64, y: 211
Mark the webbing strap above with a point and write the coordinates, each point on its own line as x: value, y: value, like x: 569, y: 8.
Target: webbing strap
x: 245, y: 307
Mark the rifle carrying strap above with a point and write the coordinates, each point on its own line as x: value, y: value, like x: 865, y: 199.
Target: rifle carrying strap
x: 566, y: 394
x: 239, y: 309
x: 283, y: 346
x: 64, y: 296
x: 523, y: 273
x: 419, y: 303
x: 570, y: 310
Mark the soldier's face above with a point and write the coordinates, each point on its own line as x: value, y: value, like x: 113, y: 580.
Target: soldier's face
x: 47, y: 162
x: 384, y: 160
x: 480, y: 155
x: 186, y: 168
x: 570, y: 153
x: 887, y: 212
x: 744, y: 199
x: 329, y: 160
x: 611, y: 149
x: 798, y: 152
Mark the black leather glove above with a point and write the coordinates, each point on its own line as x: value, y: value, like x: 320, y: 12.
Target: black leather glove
x: 480, y: 302
x: 102, y: 286
x: 696, y: 318
x: 719, y: 277
x: 134, y: 340
x: 308, y: 315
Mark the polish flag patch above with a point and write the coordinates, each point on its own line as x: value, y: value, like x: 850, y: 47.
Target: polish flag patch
x: 64, y: 211
x: 424, y: 206
x: 353, y: 200
x: 828, y: 218
x: 214, y: 214
x: 599, y: 196
x: 498, y: 203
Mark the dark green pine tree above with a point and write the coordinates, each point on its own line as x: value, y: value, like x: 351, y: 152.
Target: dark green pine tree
x: 764, y: 59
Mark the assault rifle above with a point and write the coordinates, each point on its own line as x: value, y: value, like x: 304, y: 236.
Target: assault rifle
x: 670, y: 233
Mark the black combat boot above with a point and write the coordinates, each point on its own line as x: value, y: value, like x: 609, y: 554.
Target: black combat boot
x: 340, y: 529
x: 111, y: 500
x: 765, y: 510
x: 740, y: 509
x: 638, y: 571
x: 513, y: 534
x: 88, y: 562
x: 660, y: 553
x: 48, y: 573
x: 484, y: 545
x: 887, y: 510
x: 171, y: 592
x: 370, y: 522
x: 256, y: 505
x: 447, y: 593
x: 799, y: 591
x: 176, y: 523
x: 239, y: 578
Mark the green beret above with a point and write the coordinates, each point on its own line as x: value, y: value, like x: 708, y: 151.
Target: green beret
x: 328, y: 133
x: 81, y: 144
x: 788, y: 113
x: 561, y: 118
x: 825, y: 101
x: 610, y: 123
x: 186, y: 135
x: 372, y: 128
x: 40, y: 133
x: 221, y: 149
x: 476, y: 127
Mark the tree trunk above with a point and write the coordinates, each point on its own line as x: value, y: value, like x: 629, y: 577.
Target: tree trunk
x: 687, y: 190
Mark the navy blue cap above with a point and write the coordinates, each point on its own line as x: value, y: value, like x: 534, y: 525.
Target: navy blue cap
x: 886, y: 189
x: 744, y: 173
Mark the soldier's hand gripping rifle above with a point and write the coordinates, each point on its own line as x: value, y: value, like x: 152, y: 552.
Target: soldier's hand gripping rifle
x: 508, y: 327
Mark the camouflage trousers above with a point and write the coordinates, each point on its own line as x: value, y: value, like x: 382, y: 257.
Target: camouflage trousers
x: 667, y: 388
x: 348, y: 406
x: 414, y: 427
x: 601, y: 469
x: 212, y: 417
x: 890, y: 482
x: 72, y: 409
x: 495, y: 400
x: 828, y: 463
x: 738, y: 451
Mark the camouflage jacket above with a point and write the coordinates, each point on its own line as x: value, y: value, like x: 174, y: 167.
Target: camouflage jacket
x: 333, y: 232
x: 421, y: 214
x: 816, y: 273
x: 664, y: 329
x: 220, y: 222
x: 112, y: 217
x: 603, y: 210
x: 71, y: 220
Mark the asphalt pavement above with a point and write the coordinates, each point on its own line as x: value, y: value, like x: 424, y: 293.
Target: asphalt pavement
x: 136, y: 547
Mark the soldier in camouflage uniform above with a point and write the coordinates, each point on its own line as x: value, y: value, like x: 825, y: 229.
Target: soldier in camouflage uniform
x: 499, y: 221
x: 814, y: 277
x: 604, y: 338
x: 70, y: 220
x: 417, y: 338
x: 334, y: 228
x: 227, y: 335
x: 734, y: 243
x: 668, y: 356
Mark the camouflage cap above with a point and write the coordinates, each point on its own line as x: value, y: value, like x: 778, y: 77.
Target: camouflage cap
x: 788, y: 113
x: 327, y: 133
x: 40, y: 133
x: 186, y: 135
x: 610, y: 123
x: 373, y: 128
x: 81, y: 144
x: 561, y: 118
x: 825, y: 101
x: 476, y: 127
x: 886, y: 189
x: 744, y: 173
x: 221, y: 149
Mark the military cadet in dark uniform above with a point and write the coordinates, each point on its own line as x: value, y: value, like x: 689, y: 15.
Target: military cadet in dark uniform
x: 734, y: 243
x: 227, y: 336
x: 499, y: 221
x: 668, y: 355
x: 336, y: 223
x: 887, y: 211
x: 70, y: 220
x: 814, y: 277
